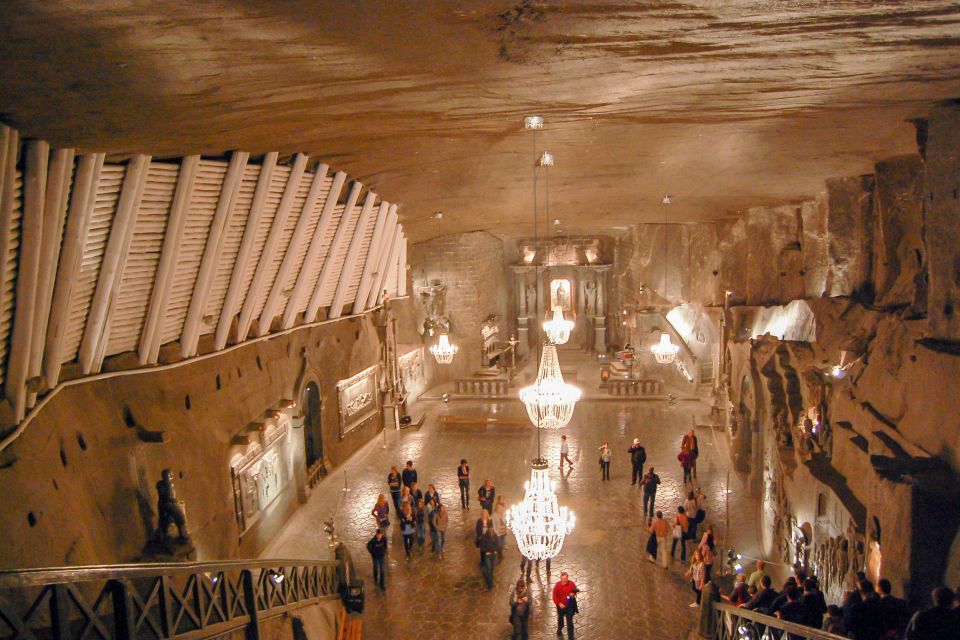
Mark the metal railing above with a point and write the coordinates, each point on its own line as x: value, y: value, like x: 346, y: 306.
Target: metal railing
x: 158, y: 601
x: 734, y: 623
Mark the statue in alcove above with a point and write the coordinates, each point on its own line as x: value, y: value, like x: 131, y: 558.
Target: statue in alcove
x: 434, y: 306
x: 170, y: 512
x: 591, y: 293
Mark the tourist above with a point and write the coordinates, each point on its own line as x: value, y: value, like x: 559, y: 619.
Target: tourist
x: 701, y: 505
x: 409, y: 475
x: 638, y: 456
x: 689, y: 443
x: 649, y: 484
x: 781, y: 598
x: 833, y: 620
x: 377, y: 546
x: 488, y: 553
x: 486, y: 495
x: 604, y: 461
x: 483, y: 523
x: 708, y: 551
x: 681, y: 523
x: 499, y: 522
x: 408, y: 528
x: 440, y: 521
x: 463, y: 479
x: 895, y: 612
x: 565, y: 452
x: 660, y: 528
x: 565, y: 600
x: 431, y: 524
x: 852, y: 596
x: 939, y: 622
x: 756, y: 576
x: 763, y: 598
x: 519, y: 611
x: 793, y: 610
x: 686, y: 464
x: 405, y: 499
x: 415, y: 495
x: 814, y: 602
x: 432, y: 495
x: 865, y: 621
x: 690, y: 508
x: 696, y: 575
x: 381, y: 512
x: 741, y: 591
x: 395, y: 484
x: 420, y: 516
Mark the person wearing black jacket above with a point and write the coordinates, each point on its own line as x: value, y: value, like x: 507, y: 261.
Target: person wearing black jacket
x: 485, y: 496
x: 814, y: 603
x: 463, y: 479
x: 489, y: 546
x: 409, y: 474
x: 939, y: 622
x: 865, y: 621
x: 895, y: 611
x: 377, y: 546
x: 781, y: 599
x: 638, y: 456
x: 396, y: 485
x: 763, y: 599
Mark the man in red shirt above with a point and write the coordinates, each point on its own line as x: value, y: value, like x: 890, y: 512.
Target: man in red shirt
x: 565, y: 599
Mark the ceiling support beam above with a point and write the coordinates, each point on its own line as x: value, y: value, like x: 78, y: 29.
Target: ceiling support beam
x: 313, y: 252
x: 259, y: 283
x: 377, y: 244
x: 96, y: 333
x: 328, y: 265
x: 37, y: 155
x: 83, y: 199
x: 393, y: 230
x: 290, y: 255
x: 402, y: 268
x: 9, y: 155
x: 391, y: 264
x: 59, y: 176
x: 235, y: 289
x: 353, y: 255
x: 190, y: 335
x: 152, y: 332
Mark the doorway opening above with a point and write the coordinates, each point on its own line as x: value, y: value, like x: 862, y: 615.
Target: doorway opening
x: 312, y: 424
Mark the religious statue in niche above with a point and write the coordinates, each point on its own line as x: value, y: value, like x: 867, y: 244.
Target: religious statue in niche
x: 528, y: 300
x: 560, y: 294
x: 590, y: 290
x: 170, y: 512
x: 433, y: 298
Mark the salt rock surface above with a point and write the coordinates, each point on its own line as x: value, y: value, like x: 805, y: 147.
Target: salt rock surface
x: 898, y: 249
x: 850, y: 232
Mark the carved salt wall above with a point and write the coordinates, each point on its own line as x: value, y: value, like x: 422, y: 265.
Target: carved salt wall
x: 79, y: 482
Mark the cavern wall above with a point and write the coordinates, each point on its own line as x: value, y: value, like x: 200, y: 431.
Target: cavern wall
x: 471, y: 269
x: 79, y: 482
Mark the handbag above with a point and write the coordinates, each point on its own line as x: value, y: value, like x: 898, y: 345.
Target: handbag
x: 677, y: 531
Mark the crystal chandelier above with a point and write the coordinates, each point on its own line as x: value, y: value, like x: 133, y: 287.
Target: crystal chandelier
x: 443, y: 351
x: 665, y: 351
x: 550, y: 400
x: 539, y: 522
x: 558, y: 330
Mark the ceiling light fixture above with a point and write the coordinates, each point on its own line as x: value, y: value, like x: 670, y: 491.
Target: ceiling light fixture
x: 549, y: 400
x: 665, y: 352
x: 444, y: 351
x: 558, y: 328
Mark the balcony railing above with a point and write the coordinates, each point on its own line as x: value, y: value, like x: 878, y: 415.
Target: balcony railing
x: 734, y: 623
x: 158, y: 601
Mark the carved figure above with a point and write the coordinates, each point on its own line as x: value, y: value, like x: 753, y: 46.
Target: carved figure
x: 530, y: 299
x: 169, y: 510
x: 591, y: 292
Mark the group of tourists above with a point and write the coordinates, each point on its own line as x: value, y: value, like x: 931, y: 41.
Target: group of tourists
x: 867, y: 612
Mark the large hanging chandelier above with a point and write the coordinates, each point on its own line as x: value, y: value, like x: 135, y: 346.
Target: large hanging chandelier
x: 558, y: 329
x: 443, y: 351
x: 550, y: 400
x: 665, y: 351
x: 539, y: 523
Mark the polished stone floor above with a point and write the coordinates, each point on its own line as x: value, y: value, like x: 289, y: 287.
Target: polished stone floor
x: 622, y: 595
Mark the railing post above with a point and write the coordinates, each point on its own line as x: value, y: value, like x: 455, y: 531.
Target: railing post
x: 166, y: 606
x: 250, y: 596
x: 123, y: 620
x: 59, y: 613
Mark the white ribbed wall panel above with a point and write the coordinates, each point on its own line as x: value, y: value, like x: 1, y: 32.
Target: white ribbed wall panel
x: 292, y: 217
x: 203, y: 202
x: 10, y: 281
x: 130, y: 303
x: 107, y: 194
x: 361, y: 261
x: 233, y: 235
x: 338, y: 254
x: 314, y: 271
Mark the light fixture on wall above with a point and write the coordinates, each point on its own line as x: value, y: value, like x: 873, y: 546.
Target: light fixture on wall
x: 549, y: 400
x: 665, y: 352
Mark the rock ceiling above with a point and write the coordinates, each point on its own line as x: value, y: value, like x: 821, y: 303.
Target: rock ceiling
x: 722, y: 103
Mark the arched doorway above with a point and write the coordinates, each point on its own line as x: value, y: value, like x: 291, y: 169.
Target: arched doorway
x: 312, y: 424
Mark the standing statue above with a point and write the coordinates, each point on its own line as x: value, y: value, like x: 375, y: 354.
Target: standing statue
x: 531, y: 299
x: 591, y: 291
x: 169, y: 510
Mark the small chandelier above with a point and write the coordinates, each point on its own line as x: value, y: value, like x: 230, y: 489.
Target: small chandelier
x: 550, y: 400
x: 665, y: 351
x: 558, y: 330
x: 539, y: 523
x: 443, y: 351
